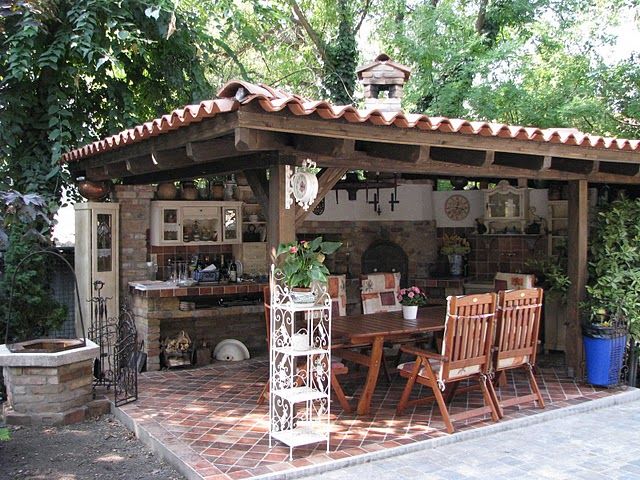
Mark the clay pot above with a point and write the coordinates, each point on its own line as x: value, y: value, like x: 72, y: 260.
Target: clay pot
x: 166, y: 191
x: 189, y: 191
x: 217, y: 192
x: 93, y: 191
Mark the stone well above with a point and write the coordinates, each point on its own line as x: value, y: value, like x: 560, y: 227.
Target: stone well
x: 48, y: 387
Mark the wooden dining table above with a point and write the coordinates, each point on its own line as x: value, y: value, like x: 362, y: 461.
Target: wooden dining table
x: 372, y: 330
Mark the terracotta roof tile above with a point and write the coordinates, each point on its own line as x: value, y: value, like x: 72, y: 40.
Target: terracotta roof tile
x: 231, y: 98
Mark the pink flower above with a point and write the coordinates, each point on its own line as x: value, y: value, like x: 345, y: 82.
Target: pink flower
x: 411, y: 295
x: 293, y: 249
x: 415, y: 289
x: 399, y: 297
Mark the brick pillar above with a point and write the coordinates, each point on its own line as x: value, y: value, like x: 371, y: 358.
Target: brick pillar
x: 135, y: 221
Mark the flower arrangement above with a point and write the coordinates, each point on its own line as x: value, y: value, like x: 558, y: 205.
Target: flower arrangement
x: 412, y: 297
x: 454, y: 244
x: 303, y: 262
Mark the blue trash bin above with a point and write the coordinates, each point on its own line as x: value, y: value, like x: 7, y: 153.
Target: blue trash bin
x: 604, y: 351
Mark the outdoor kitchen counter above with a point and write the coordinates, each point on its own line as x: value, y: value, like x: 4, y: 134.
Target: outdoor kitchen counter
x: 156, y: 308
x: 156, y: 289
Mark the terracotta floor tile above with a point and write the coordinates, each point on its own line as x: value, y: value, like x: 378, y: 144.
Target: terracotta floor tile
x: 209, y: 416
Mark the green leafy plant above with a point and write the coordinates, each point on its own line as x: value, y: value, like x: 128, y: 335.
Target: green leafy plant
x: 552, y: 274
x: 412, y: 297
x: 613, y: 291
x: 303, y: 262
x: 23, y: 224
x: 5, y: 436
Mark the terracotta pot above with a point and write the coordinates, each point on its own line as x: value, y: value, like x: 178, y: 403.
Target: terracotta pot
x: 167, y: 191
x: 189, y: 191
x: 93, y: 191
x: 217, y: 192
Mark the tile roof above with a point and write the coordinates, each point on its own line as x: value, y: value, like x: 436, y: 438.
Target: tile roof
x: 236, y: 94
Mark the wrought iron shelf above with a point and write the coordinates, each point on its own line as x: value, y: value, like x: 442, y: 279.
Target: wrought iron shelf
x: 300, y: 394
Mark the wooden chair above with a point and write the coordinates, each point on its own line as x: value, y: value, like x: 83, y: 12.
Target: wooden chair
x: 516, y: 345
x: 337, y: 368
x: 466, y: 354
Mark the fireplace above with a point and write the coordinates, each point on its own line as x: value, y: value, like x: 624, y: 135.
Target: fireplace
x: 386, y: 256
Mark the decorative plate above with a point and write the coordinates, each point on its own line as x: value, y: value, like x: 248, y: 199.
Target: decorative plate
x: 457, y: 207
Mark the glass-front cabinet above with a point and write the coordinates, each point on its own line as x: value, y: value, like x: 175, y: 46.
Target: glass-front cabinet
x: 199, y: 223
x: 506, y: 209
x: 231, y: 217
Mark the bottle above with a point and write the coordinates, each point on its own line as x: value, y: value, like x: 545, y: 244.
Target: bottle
x: 224, y: 273
x: 233, y: 272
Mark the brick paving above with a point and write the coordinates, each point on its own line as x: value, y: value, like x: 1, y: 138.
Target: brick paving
x: 597, y: 445
x: 209, y: 422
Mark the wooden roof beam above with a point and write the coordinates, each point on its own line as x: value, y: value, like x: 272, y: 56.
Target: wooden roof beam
x: 257, y: 161
x: 314, y: 125
x: 207, y: 129
x: 326, y: 182
x: 400, y: 153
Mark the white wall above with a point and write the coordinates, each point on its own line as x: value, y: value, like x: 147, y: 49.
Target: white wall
x: 415, y: 204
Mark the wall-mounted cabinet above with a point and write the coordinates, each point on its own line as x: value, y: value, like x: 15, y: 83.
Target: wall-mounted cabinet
x: 506, y: 209
x: 198, y: 223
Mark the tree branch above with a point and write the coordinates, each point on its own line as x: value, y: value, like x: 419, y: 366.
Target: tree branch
x: 313, y: 35
x: 365, y: 10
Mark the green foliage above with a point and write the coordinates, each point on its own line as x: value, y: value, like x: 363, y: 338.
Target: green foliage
x: 552, y: 274
x: 27, y: 302
x: 522, y: 62
x: 5, y: 436
x: 614, y: 265
x: 303, y: 263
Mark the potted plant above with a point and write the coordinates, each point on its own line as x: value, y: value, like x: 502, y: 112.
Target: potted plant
x: 454, y: 247
x: 612, y: 307
x: 302, y: 264
x: 552, y: 275
x: 411, y: 298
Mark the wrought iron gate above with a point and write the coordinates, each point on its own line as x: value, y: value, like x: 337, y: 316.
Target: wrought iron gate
x: 117, y: 364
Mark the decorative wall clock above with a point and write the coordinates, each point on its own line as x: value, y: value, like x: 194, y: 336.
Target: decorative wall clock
x: 301, y: 185
x: 457, y: 207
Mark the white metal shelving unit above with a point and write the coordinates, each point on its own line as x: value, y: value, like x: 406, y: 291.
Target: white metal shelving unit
x: 300, y: 367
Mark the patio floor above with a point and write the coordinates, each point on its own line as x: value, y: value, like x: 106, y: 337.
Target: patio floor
x: 209, y: 420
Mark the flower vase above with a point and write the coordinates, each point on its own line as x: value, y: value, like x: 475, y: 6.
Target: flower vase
x: 455, y: 264
x: 409, y: 312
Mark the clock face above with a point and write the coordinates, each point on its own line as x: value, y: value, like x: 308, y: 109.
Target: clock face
x: 300, y: 186
x: 457, y: 207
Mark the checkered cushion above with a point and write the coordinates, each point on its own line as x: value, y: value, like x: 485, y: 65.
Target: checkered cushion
x: 380, y: 292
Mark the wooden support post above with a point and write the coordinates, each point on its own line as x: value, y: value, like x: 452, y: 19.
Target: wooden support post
x: 577, y: 251
x: 282, y: 222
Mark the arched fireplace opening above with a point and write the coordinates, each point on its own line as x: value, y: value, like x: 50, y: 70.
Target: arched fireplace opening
x: 386, y: 256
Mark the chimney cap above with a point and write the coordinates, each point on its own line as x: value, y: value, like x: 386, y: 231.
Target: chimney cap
x: 381, y: 59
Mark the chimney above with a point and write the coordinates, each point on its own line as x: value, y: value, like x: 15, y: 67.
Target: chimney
x: 383, y: 82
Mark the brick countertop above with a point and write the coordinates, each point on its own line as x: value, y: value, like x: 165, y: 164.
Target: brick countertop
x: 162, y: 289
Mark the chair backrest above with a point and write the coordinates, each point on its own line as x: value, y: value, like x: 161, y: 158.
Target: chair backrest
x: 337, y: 287
x: 379, y: 292
x: 513, y: 281
x: 468, y: 335
x: 517, y: 327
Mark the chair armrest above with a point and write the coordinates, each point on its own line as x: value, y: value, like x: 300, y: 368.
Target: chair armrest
x: 423, y: 353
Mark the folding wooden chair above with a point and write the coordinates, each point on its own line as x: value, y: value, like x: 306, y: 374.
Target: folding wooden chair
x: 517, y: 327
x: 337, y: 368
x: 466, y: 354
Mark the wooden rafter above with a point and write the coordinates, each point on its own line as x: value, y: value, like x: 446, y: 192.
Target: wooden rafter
x: 326, y: 182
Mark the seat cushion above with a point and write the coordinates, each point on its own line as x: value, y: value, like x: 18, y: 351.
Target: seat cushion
x: 409, y: 366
